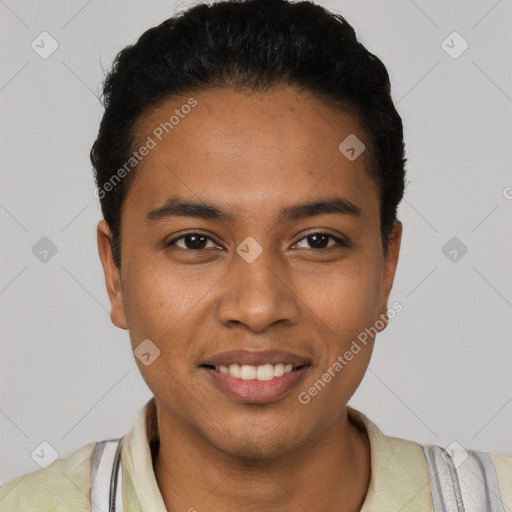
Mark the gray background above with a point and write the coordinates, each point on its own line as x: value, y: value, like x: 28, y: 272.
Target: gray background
x: 440, y: 373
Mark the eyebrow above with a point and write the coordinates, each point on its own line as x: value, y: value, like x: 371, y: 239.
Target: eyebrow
x: 181, y: 207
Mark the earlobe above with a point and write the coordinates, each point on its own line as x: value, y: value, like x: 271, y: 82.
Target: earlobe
x: 112, y: 277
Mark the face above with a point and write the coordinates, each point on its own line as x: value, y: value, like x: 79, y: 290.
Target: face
x: 252, y: 268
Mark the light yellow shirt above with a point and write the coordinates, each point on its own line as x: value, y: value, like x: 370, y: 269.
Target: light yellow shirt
x: 399, y: 477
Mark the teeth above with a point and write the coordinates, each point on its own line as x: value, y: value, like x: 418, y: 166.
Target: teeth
x: 234, y: 371
x: 279, y: 370
x: 265, y: 372
x: 248, y: 372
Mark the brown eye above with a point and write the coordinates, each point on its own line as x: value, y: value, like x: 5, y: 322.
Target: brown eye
x: 191, y: 241
x: 320, y: 240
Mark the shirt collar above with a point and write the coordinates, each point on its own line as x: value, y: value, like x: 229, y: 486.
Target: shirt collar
x: 399, y: 475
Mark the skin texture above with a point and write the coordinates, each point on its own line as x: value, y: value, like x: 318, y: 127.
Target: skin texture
x: 252, y: 154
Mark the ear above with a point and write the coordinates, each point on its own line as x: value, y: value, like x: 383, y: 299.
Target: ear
x: 390, y: 264
x: 112, y: 277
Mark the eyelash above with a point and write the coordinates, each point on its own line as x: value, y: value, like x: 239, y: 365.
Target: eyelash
x: 339, y: 241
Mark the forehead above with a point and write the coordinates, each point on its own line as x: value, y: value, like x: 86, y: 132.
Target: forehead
x: 249, y: 150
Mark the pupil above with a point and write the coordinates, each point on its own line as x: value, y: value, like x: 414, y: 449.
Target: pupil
x: 315, y: 242
x: 194, y: 244
x: 197, y: 241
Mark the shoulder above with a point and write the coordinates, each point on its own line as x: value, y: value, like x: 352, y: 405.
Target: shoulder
x: 64, y: 485
x: 401, y: 467
x: 481, y: 478
x: 503, y: 466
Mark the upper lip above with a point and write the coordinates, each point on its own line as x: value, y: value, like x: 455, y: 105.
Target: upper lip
x: 257, y: 358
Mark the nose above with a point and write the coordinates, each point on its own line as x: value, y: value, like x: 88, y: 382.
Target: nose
x: 258, y: 294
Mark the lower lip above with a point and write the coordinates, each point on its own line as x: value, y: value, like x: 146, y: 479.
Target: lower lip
x: 257, y: 391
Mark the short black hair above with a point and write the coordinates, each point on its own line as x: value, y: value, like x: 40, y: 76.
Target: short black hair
x: 253, y: 44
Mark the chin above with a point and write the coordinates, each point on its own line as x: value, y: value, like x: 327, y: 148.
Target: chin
x: 250, y: 453
x: 251, y: 446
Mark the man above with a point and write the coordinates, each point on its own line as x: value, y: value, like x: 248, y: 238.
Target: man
x: 249, y: 165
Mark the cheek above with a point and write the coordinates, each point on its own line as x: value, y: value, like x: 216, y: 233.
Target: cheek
x: 170, y: 309
x: 162, y: 309
x: 345, y: 300
x: 158, y: 300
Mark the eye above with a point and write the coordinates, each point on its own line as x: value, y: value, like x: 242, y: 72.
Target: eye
x: 319, y: 240
x: 199, y: 241
x: 192, y: 241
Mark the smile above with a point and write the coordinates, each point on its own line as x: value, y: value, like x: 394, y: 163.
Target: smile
x: 263, y: 372
x: 256, y: 384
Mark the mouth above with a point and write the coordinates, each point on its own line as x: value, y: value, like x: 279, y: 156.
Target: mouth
x: 262, y: 373
x: 256, y: 377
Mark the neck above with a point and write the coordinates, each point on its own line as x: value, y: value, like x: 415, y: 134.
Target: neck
x: 329, y: 473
